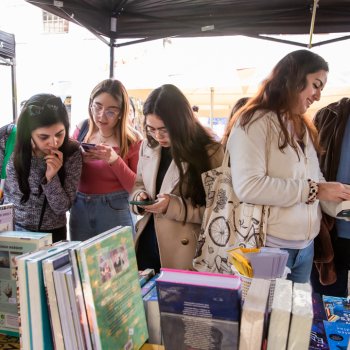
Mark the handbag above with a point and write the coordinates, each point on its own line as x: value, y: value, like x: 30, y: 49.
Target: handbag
x: 227, y: 222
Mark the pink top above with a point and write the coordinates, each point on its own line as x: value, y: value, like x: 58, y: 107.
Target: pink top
x: 98, y: 177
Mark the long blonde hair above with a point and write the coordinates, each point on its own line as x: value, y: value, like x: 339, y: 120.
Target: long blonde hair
x: 117, y: 90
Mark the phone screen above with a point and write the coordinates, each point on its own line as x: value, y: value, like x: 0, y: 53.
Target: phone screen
x: 87, y: 146
x: 145, y: 202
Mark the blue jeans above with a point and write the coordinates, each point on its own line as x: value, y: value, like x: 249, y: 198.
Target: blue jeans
x: 300, y: 263
x: 93, y: 214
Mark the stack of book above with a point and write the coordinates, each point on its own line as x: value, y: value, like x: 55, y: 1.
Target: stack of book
x: 82, y: 295
x: 14, y: 244
x: 291, y: 316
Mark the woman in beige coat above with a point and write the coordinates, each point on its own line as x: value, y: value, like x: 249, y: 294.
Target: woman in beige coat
x: 172, y: 158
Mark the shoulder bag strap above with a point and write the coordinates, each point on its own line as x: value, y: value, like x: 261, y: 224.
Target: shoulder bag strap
x: 83, y: 130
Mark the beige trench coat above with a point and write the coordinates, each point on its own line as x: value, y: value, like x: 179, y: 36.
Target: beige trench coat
x: 177, y: 242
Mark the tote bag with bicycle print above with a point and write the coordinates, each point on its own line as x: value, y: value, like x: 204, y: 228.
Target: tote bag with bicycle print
x: 227, y: 222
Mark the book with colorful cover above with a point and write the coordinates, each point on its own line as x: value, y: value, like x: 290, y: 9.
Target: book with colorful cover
x: 318, y: 338
x: 338, y: 335
x: 12, y: 245
x: 112, y: 291
x: 199, y: 310
x: 337, y: 308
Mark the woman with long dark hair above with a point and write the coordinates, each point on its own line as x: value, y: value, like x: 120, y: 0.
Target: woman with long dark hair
x: 176, y: 152
x: 273, y: 151
x: 44, y: 169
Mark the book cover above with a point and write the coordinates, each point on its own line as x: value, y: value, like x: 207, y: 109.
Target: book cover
x: 302, y: 316
x: 199, y: 294
x: 337, y: 308
x: 198, y: 310
x: 150, y: 302
x: 254, y: 315
x: 112, y: 292
x: 318, y: 337
x: 7, y: 213
x: 280, y: 315
x: 338, y: 335
x: 12, y: 245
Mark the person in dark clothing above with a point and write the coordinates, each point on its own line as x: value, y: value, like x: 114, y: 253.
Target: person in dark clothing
x: 332, y: 246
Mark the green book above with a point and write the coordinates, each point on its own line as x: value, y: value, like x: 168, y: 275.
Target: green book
x: 111, y: 288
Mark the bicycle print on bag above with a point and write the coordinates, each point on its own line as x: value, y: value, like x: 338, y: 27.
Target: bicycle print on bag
x: 226, y: 222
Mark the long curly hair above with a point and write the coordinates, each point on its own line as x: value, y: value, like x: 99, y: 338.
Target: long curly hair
x: 279, y: 93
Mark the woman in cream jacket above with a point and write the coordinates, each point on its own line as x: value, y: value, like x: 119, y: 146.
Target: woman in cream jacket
x: 171, y: 160
x: 274, y: 162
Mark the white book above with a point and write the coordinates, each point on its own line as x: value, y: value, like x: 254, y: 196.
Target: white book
x: 302, y: 315
x: 74, y: 309
x: 64, y: 307
x: 254, y: 314
x: 280, y: 315
x: 49, y: 265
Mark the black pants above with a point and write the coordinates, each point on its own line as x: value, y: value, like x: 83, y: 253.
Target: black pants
x: 147, y: 253
x: 341, y: 247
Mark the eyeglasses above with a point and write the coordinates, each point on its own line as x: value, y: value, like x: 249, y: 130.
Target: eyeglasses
x: 109, y: 113
x: 35, y: 110
x: 153, y: 131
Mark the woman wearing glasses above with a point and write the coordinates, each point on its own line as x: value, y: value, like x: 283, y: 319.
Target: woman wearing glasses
x: 44, y: 169
x: 109, y: 165
x: 172, y: 158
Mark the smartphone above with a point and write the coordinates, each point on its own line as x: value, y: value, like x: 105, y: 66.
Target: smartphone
x: 87, y: 146
x: 145, y: 202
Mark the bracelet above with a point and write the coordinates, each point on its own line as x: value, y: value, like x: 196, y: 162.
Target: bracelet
x: 313, y: 191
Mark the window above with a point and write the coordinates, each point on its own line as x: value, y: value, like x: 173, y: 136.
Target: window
x: 54, y: 24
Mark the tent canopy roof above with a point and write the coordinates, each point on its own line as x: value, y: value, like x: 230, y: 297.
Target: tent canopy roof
x: 153, y: 19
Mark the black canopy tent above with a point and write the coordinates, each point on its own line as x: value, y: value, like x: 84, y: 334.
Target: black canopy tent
x: 7, y: 58
x: 144, y: 20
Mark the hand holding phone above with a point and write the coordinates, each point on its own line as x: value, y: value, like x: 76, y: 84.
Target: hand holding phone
x: 143, y: 202
x: 87, y: 146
